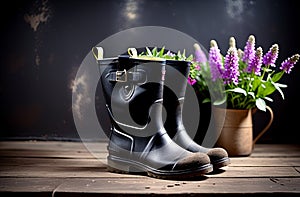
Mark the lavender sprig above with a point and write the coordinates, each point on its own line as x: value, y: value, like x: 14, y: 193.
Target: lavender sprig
x: 289, y: 63
x: 249, y: 50
x: 215, y: 61
x: 231, y: 67
x: 200, y: 56
x: 271, y: 56
x: 256, y: 62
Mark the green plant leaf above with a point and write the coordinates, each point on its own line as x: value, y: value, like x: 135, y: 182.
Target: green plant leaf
x: 183, y: 55
x: 154, y: 51
x: 206, y: 100
x: 265, y: 89
x: 148, y: 51
x: 260, y: 104
x: 238, y: 90
x: 161, y: 52
x: 242, y: 65
x: 179, y: 54
x: 252, y: 94
x: 268, y: 99
x: 276, y: 77
x: 190, y: 58
x: 256, y: 83
x: 280, y: 85
x: 278, y: 88
x: 220, y: 101
x: 267, y: 69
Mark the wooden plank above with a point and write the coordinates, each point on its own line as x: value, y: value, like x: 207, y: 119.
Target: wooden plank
x: 276, y: 150
x: 250, y: 172
x: 276, y: 147
x: 59, y: 162
x: 267, y: 161
x: 69, y: 168
x: 99, y: 170
x: 39, y: 145
x: 96, y: 146
x: 52, y: 149
x: 30, y: 184
x: 147, y: 186
x: 183, y: 188
x: 54, y: 146
x: 101, y: 154
x: 81, y: 162
x: 260, y: 150
x: 49, y: 154
x: 58, y: 172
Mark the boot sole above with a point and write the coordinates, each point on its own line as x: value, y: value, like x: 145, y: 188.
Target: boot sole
x: 124, y: 166
x: 221, y: 163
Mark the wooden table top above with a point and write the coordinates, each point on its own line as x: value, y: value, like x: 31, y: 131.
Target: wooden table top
x: 56, y: 168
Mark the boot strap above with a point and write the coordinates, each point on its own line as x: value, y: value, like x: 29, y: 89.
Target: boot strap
x: 124, y: 76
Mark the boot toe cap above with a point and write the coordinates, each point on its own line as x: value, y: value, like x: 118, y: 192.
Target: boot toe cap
x: 192, y: 161
x: 218, y: 155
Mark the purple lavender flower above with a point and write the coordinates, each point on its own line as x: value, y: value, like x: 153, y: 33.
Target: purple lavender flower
x: 271, y: 56
x: 191, y: 81
x: 249, y: 50
x: 256, y: 62
x: 289, y: 63
x: 200, y: 56
x: 215, y: 61
x: 231, y: 67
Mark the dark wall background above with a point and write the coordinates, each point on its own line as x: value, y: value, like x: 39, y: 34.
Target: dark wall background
x: 44, y: 42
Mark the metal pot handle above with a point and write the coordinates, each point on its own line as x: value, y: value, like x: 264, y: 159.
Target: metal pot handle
x: 266, y: 127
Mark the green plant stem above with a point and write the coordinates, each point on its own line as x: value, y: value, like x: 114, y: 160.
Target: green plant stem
x: 263, y: 75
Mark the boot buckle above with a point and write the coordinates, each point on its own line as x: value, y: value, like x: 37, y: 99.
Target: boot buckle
x: 121, y: 76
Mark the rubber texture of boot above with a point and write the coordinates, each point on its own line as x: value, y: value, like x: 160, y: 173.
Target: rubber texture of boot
x: 173, y: 103
x: 157, y: 164
x: 218, y: 156
x: 138, y: 142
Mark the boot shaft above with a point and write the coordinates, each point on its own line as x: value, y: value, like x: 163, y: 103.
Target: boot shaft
x: 177, y: 75
x: 174, y: 94
x: 133, y: 91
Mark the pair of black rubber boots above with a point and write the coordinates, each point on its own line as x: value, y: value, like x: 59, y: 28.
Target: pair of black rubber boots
x: 139, y: 141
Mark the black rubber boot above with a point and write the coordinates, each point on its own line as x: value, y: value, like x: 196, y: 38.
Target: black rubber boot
x: 173, y: 103
x: 138, y: 142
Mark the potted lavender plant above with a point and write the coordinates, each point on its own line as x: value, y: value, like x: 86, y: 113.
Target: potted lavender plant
x: 240, y: 82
